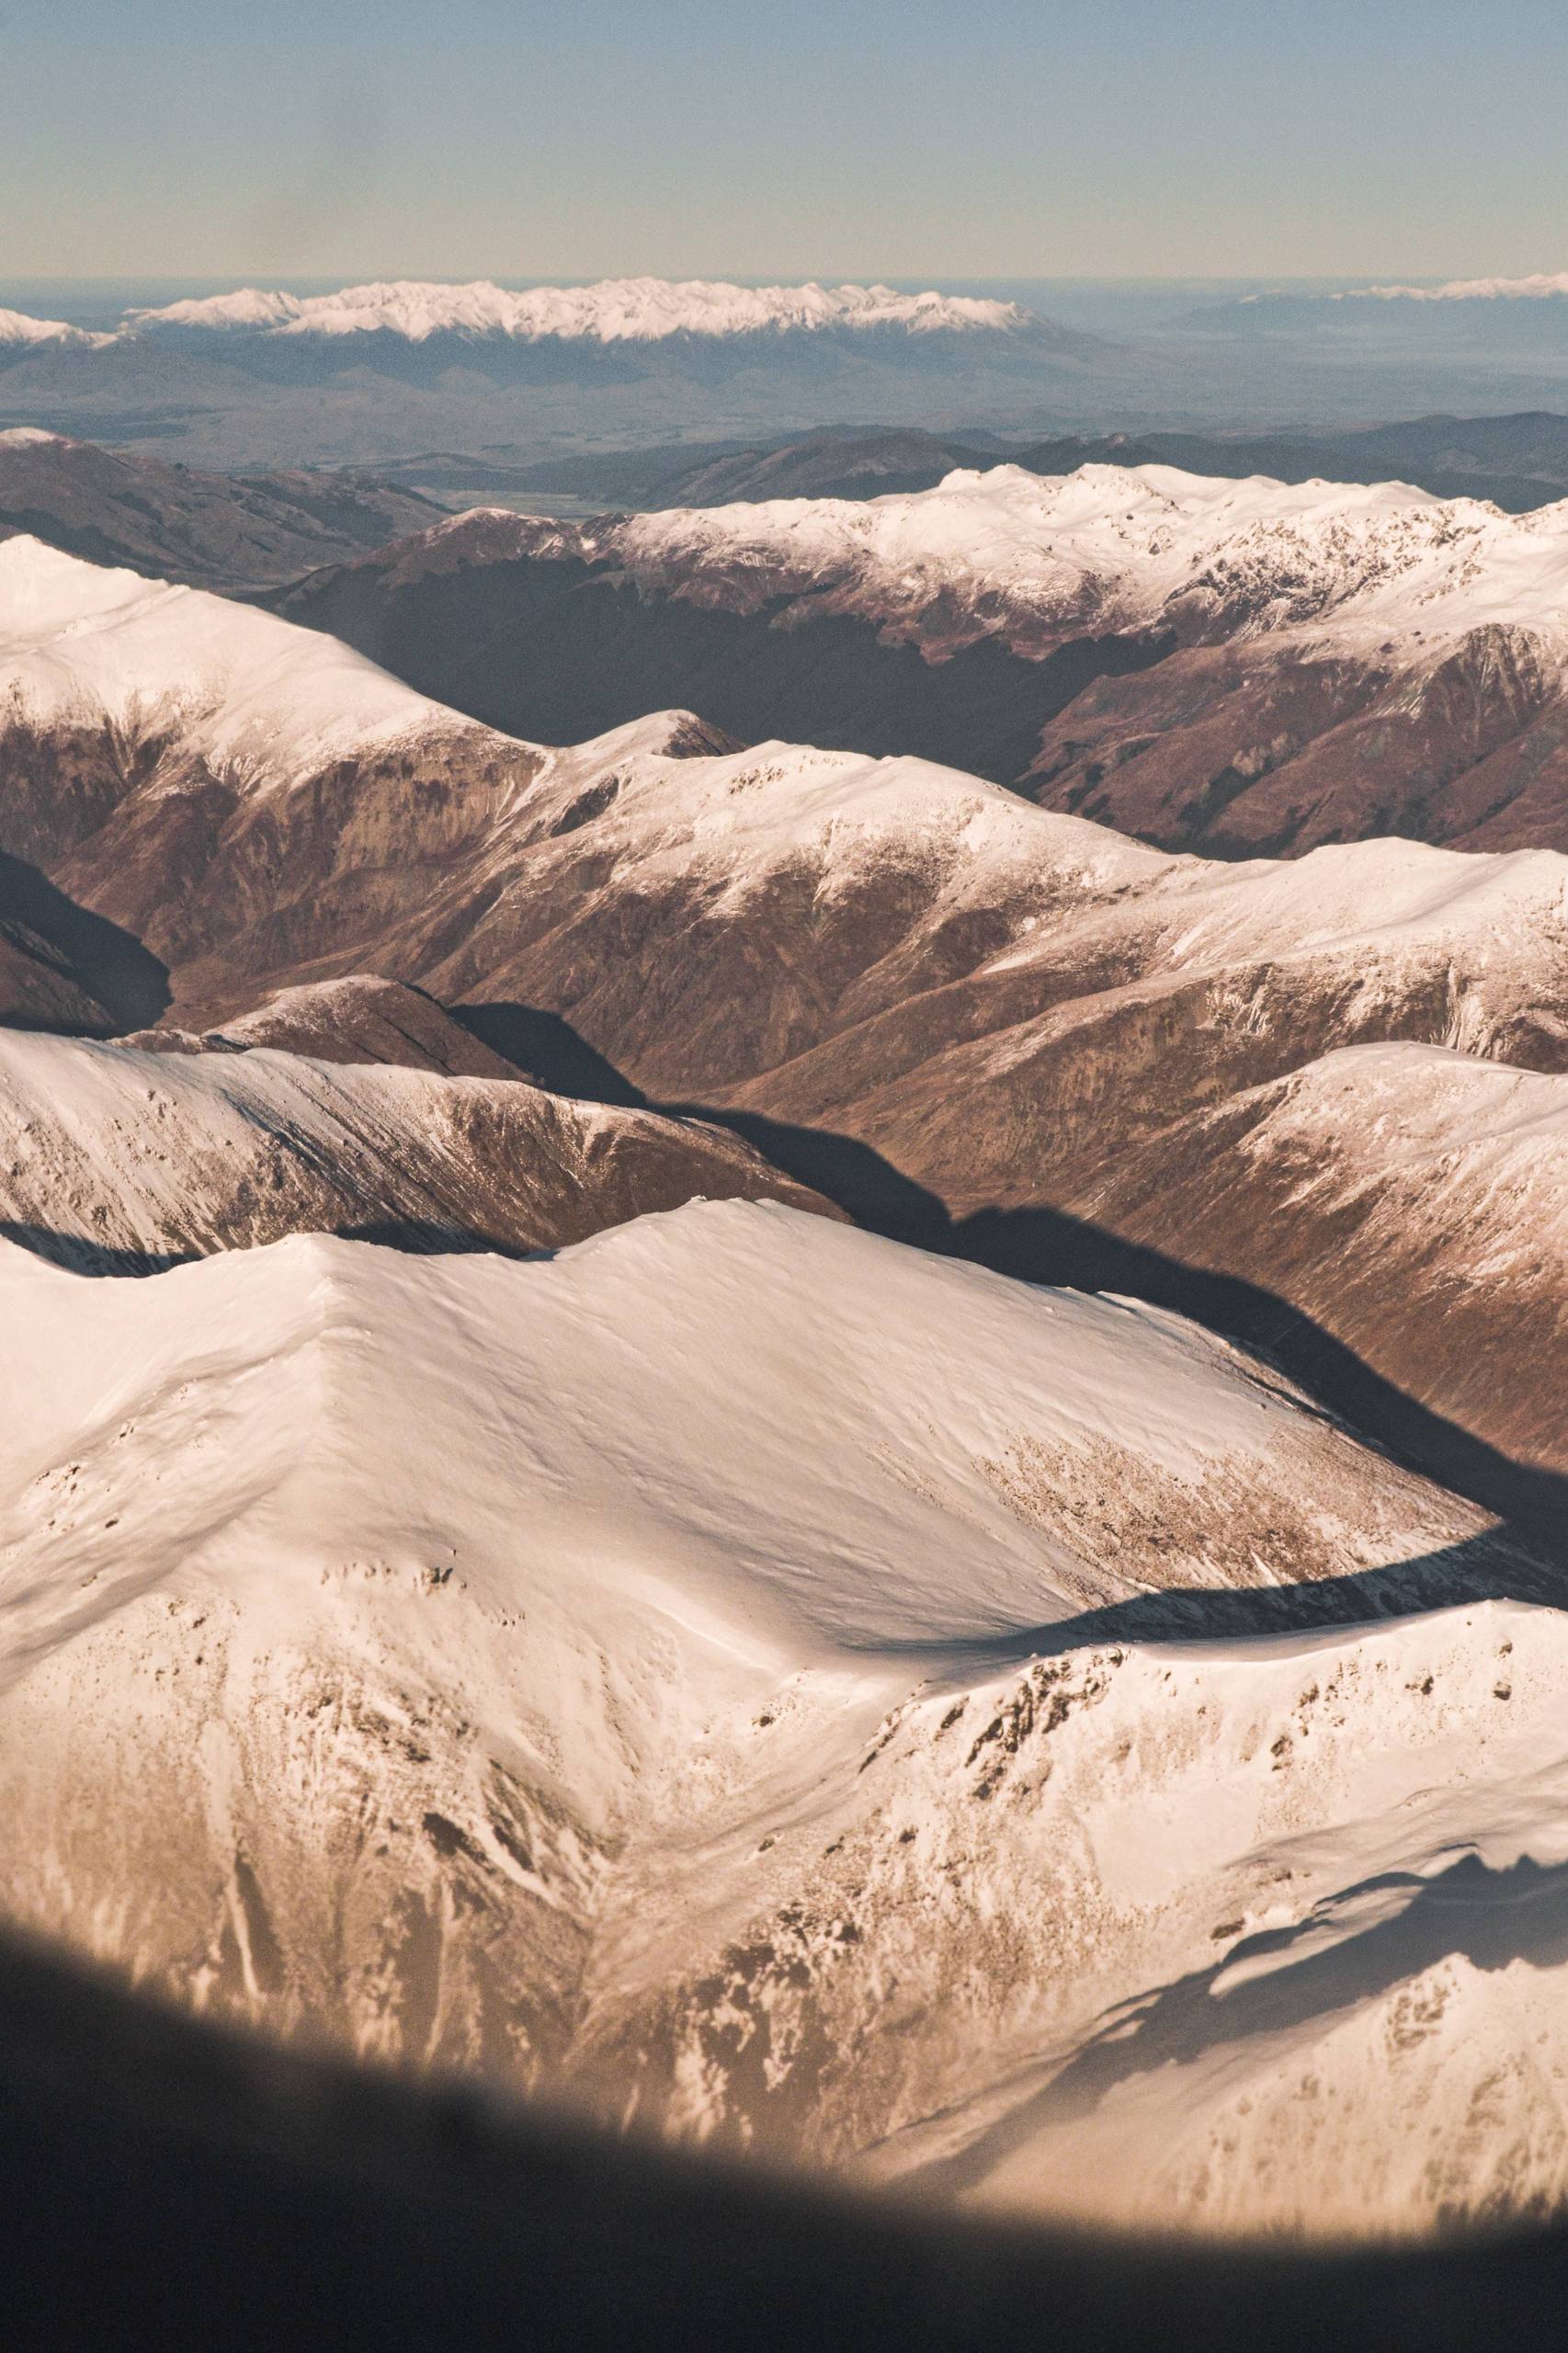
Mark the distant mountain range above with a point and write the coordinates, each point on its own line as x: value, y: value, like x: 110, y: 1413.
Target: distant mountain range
x: 1523, y: 316
x: 263, y: 378
x: 616, y: 310
x: 219, y: 530
x: 396, y: 369
x: 1517, y: 462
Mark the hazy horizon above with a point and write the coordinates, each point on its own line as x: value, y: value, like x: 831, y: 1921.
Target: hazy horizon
x: 1217, y: 140
x: 1115, y: 306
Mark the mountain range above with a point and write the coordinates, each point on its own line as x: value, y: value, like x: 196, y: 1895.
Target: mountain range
x: 1517, y: 462
x: 218, y: 530
x: 949, y: 1009
x: 761, y: 1439
x: 1236, y: 668
x: 262, y: 377
x: 631, y: 311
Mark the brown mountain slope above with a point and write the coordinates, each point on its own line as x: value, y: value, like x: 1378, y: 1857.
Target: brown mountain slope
x: 954, y: 1012
x: 180, y: 523
x: 114, y: 1159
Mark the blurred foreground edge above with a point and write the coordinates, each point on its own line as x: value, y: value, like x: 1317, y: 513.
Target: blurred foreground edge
x: 167, y: 2184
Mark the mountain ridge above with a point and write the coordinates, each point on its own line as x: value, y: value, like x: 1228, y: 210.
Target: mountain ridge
x: 1238, y: 667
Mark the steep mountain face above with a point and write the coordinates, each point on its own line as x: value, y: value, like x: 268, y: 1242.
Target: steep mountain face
x: 1239, y: 667
x: 479, y: 1681
x: 117, y: 1160
x: 1239, y: 752
x: 212, y: 530
x: 159, y: 742
x: 1412, y: 1200
x: 39, y: 987
x: 62, y: 967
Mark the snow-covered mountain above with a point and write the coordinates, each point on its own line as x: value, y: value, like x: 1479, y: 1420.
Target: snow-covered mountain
x: 1205, y: 661
x: 179, y: 742
x: 265, y: 377
x: 629, y: 309
x: 618, y: 310
x: 20, y: 333
x: 1033, y: 560
x: 448, y: 1657
x: 953, y: 1012
x: 114, y: 1159
x: 87, y: 647
x: 620, y: 331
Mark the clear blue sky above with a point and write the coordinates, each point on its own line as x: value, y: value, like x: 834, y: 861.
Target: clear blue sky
x: 905, y: 138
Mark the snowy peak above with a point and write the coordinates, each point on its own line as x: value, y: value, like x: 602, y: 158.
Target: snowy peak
x: 17, y: 328
x: 1032, y: 557
x: 1542, y: 286
x: 654, y: 1391
x: 627, y: 310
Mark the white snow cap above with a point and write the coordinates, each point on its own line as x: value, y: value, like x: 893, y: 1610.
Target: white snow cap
x: 15, y: 327
x: 620, y: 310
x: 1124, y: 546
x: 261, y: 698
x: 1542, y: 286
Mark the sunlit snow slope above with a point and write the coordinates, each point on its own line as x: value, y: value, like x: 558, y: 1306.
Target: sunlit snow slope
x: 81, y: 643
x: 115, y: 1159
x: 1033, y: 559
x: 680, y: 1669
